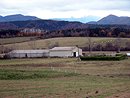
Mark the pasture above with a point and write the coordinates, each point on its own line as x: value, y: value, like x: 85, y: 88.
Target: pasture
x: 64, y: 78
x: 4, y: 41
x: 64, y: 41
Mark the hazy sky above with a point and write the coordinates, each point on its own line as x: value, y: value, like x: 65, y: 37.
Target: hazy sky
x: 65, y: 8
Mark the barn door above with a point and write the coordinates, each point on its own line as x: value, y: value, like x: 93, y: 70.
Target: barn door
x: 74, y: 54
x: 26, y: 55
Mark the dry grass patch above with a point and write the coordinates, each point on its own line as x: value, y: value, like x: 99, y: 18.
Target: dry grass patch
x: 64, y: 41
x: 98, y: 79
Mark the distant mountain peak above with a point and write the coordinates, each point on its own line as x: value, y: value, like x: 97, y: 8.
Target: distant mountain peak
x: 81, y: 19
x: 113, y: 20
x: 17, y: 17
x: 111, y: 15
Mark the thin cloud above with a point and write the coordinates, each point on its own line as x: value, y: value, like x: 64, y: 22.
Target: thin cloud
x: 65, y: 8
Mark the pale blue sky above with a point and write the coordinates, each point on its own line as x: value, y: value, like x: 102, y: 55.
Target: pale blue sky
x: 46, y: 9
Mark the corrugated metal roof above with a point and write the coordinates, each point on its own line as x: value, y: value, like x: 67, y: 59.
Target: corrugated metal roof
x: 62, y: 48
x: 29, y: 51
x: 45, y: 50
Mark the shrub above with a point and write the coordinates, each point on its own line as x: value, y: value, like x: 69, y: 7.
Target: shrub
x: 104, y: 58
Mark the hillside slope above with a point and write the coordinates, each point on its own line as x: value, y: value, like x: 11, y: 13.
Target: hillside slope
x: 64, y: 41
x: 44, y: 24
x: 17, y: 17
x: 112, y: 19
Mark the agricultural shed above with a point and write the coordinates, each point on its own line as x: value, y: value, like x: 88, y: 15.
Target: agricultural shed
x: 65, y: 52
x: 28, y: 53
x: 128, y: 54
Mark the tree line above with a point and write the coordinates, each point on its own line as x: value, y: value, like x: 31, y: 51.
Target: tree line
x: 115, y: 45
x: 91, y: 31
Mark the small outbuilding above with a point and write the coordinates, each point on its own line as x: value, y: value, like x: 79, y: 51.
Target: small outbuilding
x: 65, y: 52
x: 28, y: 53
x: 128, y: 54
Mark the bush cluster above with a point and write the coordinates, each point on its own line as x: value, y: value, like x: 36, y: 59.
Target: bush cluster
x: 118, y: 57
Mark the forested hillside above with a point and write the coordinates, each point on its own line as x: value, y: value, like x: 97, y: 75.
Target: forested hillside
x: 52, y: 28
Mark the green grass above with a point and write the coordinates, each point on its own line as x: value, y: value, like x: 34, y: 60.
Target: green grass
x: 118, y: 57
x: 9, y: 74
x: 69, y: 87
x: 63, y: 78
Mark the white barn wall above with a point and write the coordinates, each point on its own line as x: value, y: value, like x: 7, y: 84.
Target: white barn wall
x: 54, y: 52
x: 17, y: 55
x: 61, y: 53
x: 67, y: 52
x: 78, y: 51
x: 128, y: 54
x: 37, y: 54
x: 28, y: 53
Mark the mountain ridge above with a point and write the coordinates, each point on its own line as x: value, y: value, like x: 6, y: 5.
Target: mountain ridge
x: 59, y: 24
x: 108, y: 20
x: 114, y: 20
x: 42, y: 24
x: 81, y: 19
x: 17, y: 17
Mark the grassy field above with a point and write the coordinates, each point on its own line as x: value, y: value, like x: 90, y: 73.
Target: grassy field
x: 4, y: 41
x: 66, y: 41
x: 64, y: 78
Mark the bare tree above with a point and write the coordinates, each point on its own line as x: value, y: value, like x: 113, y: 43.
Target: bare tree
x: 32, y: 43
x: 2, y: 49
x: 51, y: 45
x: 56, y: 44
x: 118, y: 44
x: 47, y: 44
x: 90, y: 44
x: 127, y: 45
x: 14, y: 45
